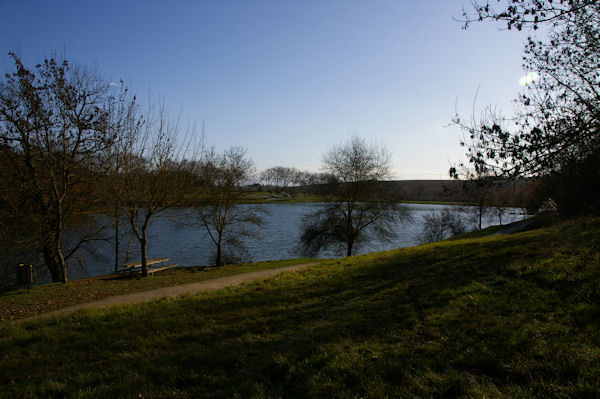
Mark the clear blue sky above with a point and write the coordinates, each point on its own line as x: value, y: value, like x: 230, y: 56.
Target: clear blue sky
x: 289, y: 79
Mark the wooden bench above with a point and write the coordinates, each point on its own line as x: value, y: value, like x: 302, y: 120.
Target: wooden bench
x: 160, y: 269
x: 154, y: 265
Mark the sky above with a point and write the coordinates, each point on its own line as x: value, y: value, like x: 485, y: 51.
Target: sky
x: 289, y: 79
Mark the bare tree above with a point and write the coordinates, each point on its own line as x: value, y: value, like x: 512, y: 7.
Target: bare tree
x: 225, y: 219
x: 478, y: 190
x: 157, y: 172
x: 279, y: 177
x: 440, y: 225
x: 301, y: 178
x: 126, y: 125
x: 54, y: 122
x: 360, y: 213
x: 505, y: 195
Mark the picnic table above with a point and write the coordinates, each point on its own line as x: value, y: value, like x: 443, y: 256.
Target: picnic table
x: 154, y: 265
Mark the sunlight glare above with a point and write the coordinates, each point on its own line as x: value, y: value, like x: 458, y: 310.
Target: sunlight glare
x: 529, y: 79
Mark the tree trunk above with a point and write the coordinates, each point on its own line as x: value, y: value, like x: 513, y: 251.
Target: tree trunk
x: 218, y: 260
x: 116, y: 246
x: 51, y: 263
x: 480, y: 214
x: 63, y: 266
x: 143, y: 254
x: 349, y: 250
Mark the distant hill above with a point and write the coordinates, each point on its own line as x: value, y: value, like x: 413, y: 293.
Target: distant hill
x: 427, y: 190
x: 513, y: 193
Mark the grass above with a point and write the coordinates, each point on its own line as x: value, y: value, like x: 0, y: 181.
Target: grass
x: 497, y: 317
x: 266, y: 197
x: 18, y: 304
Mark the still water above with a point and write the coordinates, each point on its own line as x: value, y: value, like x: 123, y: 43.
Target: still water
x: 177, y: 234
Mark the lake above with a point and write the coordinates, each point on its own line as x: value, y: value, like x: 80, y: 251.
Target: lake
x: 175, y: 234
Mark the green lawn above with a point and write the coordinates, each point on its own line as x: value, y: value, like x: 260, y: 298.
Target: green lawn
x: 506, y: 316
x: 18, y: 304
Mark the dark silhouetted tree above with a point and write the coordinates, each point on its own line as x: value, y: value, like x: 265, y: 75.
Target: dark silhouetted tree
x: 226, y: 220
x: 555, y: 132
x: 360, y: 213
x: 55, y: 120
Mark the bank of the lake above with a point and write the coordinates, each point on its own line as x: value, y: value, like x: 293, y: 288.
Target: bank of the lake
x: 179, y: 235
x: 501, y: 316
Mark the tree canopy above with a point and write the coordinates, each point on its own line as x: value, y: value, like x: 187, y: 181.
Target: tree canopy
x: 55, y: 121
x: 555, y: 131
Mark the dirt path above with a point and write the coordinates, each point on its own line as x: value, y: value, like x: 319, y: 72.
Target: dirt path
x: 173, y: 291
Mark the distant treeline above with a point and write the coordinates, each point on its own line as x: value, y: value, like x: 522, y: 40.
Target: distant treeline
x: 517, y: 193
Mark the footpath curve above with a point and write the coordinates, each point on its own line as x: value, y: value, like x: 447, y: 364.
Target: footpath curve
x: 517, y: 227
x: 173, y: 291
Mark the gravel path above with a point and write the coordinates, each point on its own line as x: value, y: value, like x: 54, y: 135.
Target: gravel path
x: 173, y: 291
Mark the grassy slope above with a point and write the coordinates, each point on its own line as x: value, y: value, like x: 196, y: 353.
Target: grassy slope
x: 18, y: 304
x: 505, y: 316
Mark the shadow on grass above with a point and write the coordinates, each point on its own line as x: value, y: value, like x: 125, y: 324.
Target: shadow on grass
x: 489, y: 317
